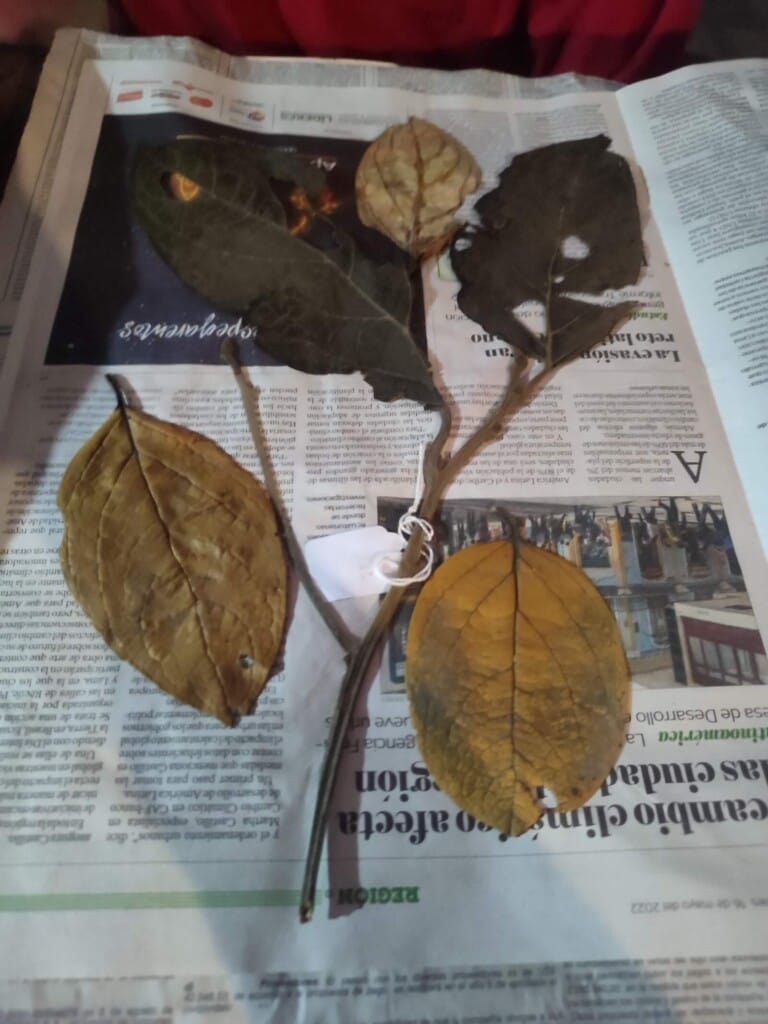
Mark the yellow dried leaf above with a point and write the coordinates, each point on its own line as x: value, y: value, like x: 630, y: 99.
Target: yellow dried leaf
x: 411, y: 181
x: 172, y: 550
x: 517, y: 679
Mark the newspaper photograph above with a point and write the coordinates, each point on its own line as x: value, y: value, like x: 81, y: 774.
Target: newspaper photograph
x: 667, y: 569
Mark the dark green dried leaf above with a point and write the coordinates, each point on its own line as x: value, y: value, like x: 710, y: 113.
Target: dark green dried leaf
x: 571, y: 190
x: 387, y: 284
x: 318, y: 311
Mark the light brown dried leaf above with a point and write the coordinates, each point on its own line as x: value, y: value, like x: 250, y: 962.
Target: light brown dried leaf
x: 411, y: 181
x: 172, y: 550
x: 517, y: 679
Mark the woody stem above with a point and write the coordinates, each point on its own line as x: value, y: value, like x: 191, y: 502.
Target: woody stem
x: 438, y: 476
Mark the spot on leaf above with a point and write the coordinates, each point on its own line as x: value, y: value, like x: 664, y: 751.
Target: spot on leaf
x: 182, y: 188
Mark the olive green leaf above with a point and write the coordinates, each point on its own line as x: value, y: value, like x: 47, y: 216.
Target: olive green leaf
x: 320, y: 311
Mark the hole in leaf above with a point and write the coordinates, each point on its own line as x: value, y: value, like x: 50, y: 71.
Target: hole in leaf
x: 179, y: 187
x: 574, y: 248
x: 246, y: 661
x: 532, y: 314
x: 547, y: 798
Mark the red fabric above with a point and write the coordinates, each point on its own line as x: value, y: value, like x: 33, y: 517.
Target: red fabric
x: 620, y: 40
x: 623, y: 41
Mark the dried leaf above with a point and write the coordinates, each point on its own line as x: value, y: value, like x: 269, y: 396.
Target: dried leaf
x: 172, y: 550
x: 517, y: 679
x: 411, y: 181
x: 562, y: 222
x: 320, y: 311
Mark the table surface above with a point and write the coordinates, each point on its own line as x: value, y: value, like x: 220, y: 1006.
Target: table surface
x: 19, y: 70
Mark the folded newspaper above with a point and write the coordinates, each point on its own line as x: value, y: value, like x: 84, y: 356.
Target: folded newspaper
x: 151, y: 858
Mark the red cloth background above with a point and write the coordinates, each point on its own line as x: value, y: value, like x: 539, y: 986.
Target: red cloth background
x: 620, y: 39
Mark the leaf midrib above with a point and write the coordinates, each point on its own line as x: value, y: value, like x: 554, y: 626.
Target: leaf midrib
x: 311, y: 254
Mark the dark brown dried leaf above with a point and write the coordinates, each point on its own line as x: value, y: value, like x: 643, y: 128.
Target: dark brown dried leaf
x: 520, y: 251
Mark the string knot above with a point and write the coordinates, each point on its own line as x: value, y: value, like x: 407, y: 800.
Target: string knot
x: 410, y: 521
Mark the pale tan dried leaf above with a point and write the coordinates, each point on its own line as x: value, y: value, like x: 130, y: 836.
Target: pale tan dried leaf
x: 172, y: 550
x: 411, y: 181
x: 517, y: 679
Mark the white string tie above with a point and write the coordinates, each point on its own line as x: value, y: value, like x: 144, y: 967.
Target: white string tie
x: 409, y: 521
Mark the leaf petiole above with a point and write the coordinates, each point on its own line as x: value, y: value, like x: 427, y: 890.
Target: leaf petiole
x: 250, y: 399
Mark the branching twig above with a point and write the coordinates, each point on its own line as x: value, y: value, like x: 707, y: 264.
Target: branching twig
x: 439, y: 473
x: 355, y: 674
x: 345, y: 704
x: 349, y: 643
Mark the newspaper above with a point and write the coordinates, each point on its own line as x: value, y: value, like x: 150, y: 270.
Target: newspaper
x: 151, y: 858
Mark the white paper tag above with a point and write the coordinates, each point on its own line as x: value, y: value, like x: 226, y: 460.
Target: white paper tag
x: 343, y: 564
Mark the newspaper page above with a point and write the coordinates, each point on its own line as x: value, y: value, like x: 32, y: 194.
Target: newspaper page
x: 151, y: 858
x: 701, y: 137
